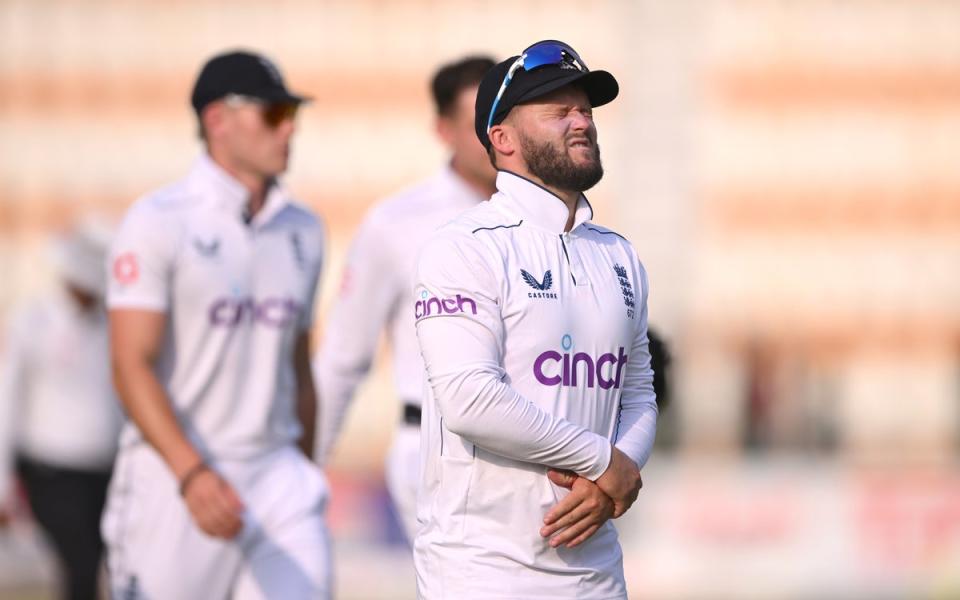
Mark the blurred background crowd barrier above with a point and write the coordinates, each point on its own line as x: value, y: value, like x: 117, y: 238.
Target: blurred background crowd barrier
x: 789, y: 172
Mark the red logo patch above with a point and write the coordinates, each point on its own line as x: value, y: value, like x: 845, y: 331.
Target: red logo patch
x: 125, y: 268
x: 346, y: 282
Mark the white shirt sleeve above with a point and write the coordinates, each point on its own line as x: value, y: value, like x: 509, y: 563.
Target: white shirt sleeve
x: 141, y: 261
x: 461, y: 334
x: 637, y: 424
x: 368, y: 293
x: 13, y: 390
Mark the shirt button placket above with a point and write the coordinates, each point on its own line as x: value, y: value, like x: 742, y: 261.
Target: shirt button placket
x: 573, y: 258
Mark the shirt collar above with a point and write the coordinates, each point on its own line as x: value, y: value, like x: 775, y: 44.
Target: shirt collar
x: 461, y: 190
x: 537, y: 205
x: 230, y: 195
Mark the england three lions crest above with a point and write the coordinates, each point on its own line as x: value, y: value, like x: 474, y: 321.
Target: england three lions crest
x: 626, y: 288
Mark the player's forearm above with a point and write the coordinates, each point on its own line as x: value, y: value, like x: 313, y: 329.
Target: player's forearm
x: 306, y: 395
x: 464, y: 373
x: 6, y: 470
x: 148, y: 406
x: 13, y: 372
x: 637, y: 431
x: 638, y: 404
x: 479, y: 407
x: 307, y: 414
x: 8, y: 399
x: 336, y: 380
x: 6, y: 459
x: 349, y: 347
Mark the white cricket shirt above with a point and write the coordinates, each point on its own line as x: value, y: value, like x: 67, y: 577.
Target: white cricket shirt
x: 535, y: 346
x: 57, y: 404
x: 236, y: 296
x: 374, y: 294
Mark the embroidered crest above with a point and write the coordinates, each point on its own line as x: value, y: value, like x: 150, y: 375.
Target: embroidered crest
x: 626, y: 288
x: 299, y: 255
x: 207, y: 249
x: 126, y: 269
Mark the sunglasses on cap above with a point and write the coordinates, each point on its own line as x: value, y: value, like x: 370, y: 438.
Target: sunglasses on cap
x: 541, y: 54
x: 273, y: 113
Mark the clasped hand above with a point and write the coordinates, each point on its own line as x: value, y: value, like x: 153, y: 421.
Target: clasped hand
x: 590, y: 504
x: 214, y: 504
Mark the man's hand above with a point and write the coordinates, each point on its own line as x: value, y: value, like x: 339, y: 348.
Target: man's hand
x: 580, y: 514
x: 621, y: 481
x: 214, y: 504
x: 8, y: 510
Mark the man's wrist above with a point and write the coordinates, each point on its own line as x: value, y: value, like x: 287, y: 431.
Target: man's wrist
x: 190, y: 475
x: 180, y: 457
x: 603, y: 462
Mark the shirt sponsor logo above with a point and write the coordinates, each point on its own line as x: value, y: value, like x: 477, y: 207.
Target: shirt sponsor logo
x: 207, y: 249
x: 271, y: 312
x: 126, y: 270
x: 540, y: 286
x: 626, y: 288
x: 431, y: 305
x: 579, y: 369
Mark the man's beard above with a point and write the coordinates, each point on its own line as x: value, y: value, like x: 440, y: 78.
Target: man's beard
x: 556, y: 169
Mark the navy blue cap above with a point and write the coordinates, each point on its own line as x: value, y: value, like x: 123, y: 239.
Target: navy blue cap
x: 243, y: 73
x: 600, y: 86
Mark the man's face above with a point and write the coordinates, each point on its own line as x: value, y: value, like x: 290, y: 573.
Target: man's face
x: 458, y: 133
x: 558, y: 139
x: 253, y: 144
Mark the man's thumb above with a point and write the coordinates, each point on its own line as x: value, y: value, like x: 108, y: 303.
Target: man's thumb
x: 562, y: 478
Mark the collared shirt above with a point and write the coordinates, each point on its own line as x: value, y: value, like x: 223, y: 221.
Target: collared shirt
x: 535, y: 345
x: 236, y: 296
x: 374, y: 291
x: 57, y: 404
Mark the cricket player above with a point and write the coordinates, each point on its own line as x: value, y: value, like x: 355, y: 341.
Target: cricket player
x: 59, y: 417
x: 380, y: 273
x: 532, y: 321
x: 211, y: 292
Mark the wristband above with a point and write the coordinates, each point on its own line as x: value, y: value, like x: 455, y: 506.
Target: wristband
x: 190, y: 475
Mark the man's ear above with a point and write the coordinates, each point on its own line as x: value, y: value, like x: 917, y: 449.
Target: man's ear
x: 444, y: 128
x: 503, y: 139
x: 212, y: 118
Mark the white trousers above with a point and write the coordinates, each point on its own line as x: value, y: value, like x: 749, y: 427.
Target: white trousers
x: 155, y: 551
x: 403, y: 476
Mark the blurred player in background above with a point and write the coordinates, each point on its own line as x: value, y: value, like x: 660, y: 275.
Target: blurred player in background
x: 59, y: 418
x: 380, y: 273
x: 532, y: 321
x: 210, y: 297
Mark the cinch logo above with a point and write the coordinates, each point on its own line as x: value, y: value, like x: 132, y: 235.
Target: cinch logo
x: 432, y: 305
x: 553, y: 368
x: 272, y: 312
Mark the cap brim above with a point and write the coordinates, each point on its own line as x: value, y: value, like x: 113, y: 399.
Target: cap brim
x: 601, y: 87
x: 275, y: 95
